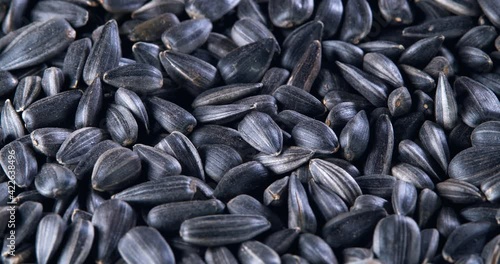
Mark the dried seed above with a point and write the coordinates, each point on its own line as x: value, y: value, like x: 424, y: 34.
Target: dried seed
x: 171, y: 116
x: 447, y: 221
x: 187, y: 36
x: 429, y: 204
x: 74, y: 61
x: 156, y: 163
x: 351, y: 228
x: 86, y: 164
x: 429, y: 244
x: 121, y: 125
x: 167, y: 190
x: 449, y: 27
x: 355, y: 137
x: 315, y: 249
x: 377, y: 184
x: 367, y: 85
x: 335, y: 178
x: 226, y: 94
x: 294, y: 98
x: 246, y: 205
x: 480, y: 212
x: 480, y: 37
x: 255, y: 252
x: 281, y: 241
x: 459, y: 192
x: 399, y: 102
x: 383, y: 68
x: 413, y: 175
x: 138, y: 77
x: 434, y: 141
x: 154, y: 9
x: 169, y: 217
x: 290, y: 159
x: 336, y: 50
x: 404, y: 198
x: 12, y: 126
x: 397, y: 240
x: 193, y: 73
x: 212, y: 11
x: 48, y: 237
x: 29, y: 214
x: 262, y: 133
x: 330, y: 13
x: 116, y: 169
x: 27, y: 92
x: 251, y: 176
x: 246, y: 31
x: 78, y: 143
x: 289, y: 14
x: 152, y: 29
x: 25, y: 167
x: 142, y: 244
x: 55, y: 181
x: 147, y: 53
x: 422, y: 51
x: 396, y: 12
x: 380, y: 157
x: 49, y: 38
x: 300, y: 214
x: 316, y: 136
x: 307, y: 68
x: 368, y: 201
x: 219, y: 255
x: 418, y: 79
x: 90, y: 105
x: 8, y: 82
x: 327, y: 201
x: 466, y: 239
x: 105, y: 53
x: 218, y: 230
x: 276, y: 193
x: 437, y: 65
x: 247, y: 64
x: 111, y: 220
x: 357, y: 21
x: 490, y: 9
x: 215, y: 134
x: 475, y: 59
x: 295, y: 44
x: 250, y: 9
x: 445, y: 104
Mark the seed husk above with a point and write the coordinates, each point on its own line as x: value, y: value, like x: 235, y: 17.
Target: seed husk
x: 25, y: 163
x: 121, y: 125
x: 357, y: 21
x: 152, y: 29
x: 261, y: 132
x: 256, y: 252
x: 169, y: 217
x: 142, y: 243
x: 12, y: 126
x: 247, y: 205
x: 74, y: 61
x: 27, y: 92
x: 276, y: 193
x: 314, y: 249
x: 55, y: 181
x: 48, y: 237
x: 157, y: 163
x: 466, y: 239
x: 219, y: 255
x: 219, y: 230
x: 78, y: 143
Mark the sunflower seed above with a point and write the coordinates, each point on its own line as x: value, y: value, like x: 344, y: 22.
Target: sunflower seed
x: 235, y: 66
x: 138, y: 77
x: 434, y: 141
x: 246, y: 31
x: 78, y: 143
x: 330, y: 13
x: 215, y: 134
x: 294, y: 98
x: 377, y: 184
x: 27, y: 91
x: 25, y: 163
x: 404, y: 198
x: 422, y: 51
x: 335, y: 178
x: 181, y: 148
x: 315, y: 249
x: 399, y: 102
x: 55, y: 181
x: 250, y: 9
x: 475, y: 59
x: 202, y: 9
x: 29, y: 214
x: 475, y: 165
x: 187, y: 36
x: 12, y: 126
x: 147, y: 53
x: 480, y: 212
x: 474, y: 113
x: 142, y: 243
x: 402, y: 231
x: 111, y: 221
x: 49, y: 38
x: 8, y: 83
x: 383, y: 68
x: 418, y: 79
x: 193, y: 73
x: 90, y: 105
x: 244, y: 204
x: 429, y: 204
x: 437, y: 65
x: 48, y: 237
x: 447, y: 221
x: 121, y: 125
x: 295, y: 44
x: 357, y: 21
x: 368, y: 201
x: 480, y: 37
x: 167, y: 190
x: 380, y: 157
x: 445, y: 104
x: 219, y: 255
x: 335, y: 50
x: 152, y: 29
x: 466, y: 239
x: 351, y: 228
x: 116, y: 169
x: 253, y: 176
x: 218, y: 230
x: 316, y: 136
x: 219, y: 45
x: 429, y: 244
x: 490, y: 10
x: 367, y: 85
x: 396, y: 12
x: 300, y: 214
x: 74, y: 61
x: 156, y: 8
x: 86, y: 164
x: 169, y: 217
x: 355, y: 137
x: 307, y: 68
x: 156, y: 163
x: 459, y: 191
x: 255, y: 252
x: 413, y: 175
x: 275, y: 194
x: 328, y: 202
x: 449, y: 27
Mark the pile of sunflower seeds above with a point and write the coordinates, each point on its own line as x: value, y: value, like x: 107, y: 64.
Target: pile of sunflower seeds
x: 250, y: 131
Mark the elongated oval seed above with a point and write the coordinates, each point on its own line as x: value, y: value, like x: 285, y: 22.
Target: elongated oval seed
x: 218, y: 230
